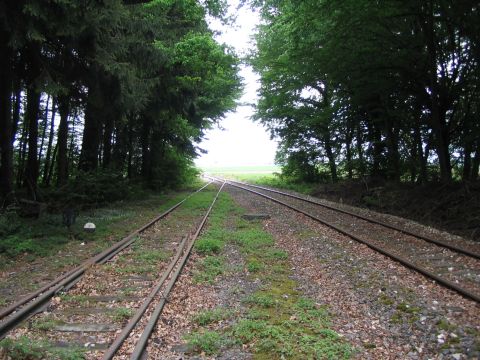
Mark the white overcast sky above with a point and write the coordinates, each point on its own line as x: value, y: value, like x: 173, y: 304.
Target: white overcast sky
x: 241, y: 142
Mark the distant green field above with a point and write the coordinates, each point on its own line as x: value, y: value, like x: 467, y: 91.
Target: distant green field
x: 241, y: 169
x: 260, y: 175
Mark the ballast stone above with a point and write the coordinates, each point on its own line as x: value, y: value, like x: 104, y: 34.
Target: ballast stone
x: 256, y: 217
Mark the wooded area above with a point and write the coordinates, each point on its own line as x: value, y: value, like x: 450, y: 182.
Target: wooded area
x: 361, y: 88
x: 109, y: 89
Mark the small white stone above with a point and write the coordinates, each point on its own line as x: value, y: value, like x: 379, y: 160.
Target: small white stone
x: 435, y: 302
x: 82, y: 243
x: 450, y: 269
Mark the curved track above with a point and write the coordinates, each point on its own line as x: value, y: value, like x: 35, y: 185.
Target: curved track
x: 454, y: 267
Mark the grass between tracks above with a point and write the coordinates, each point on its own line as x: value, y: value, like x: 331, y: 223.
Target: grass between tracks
x: 51, y: 247
x: 275, y: 321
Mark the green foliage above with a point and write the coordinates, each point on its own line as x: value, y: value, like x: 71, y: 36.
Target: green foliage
x: 207, y: 341
x: 360, y: 88
x: 209, y: 268
x: 137, y: 84
x: 211, y: 316
x: 262, y: 300
x: 122, y: 314
x: 26, y: 349
x: 208, y: 246
x: 92, y: 189
x: 253, y: 238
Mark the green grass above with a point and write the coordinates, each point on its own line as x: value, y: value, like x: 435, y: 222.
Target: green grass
x: 209, y: 269
x: 275, y: 321
x: 207, y: 317
x: 265, y: 178
x: 122, y: 314
x: 208, y: 342
x: 47, y: 235
x: 27, y: 349
x: 77, y: 299
x: 208, y: 246
x: 45, y: 323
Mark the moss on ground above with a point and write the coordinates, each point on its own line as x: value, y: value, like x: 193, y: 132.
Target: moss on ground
x: 274, y: 322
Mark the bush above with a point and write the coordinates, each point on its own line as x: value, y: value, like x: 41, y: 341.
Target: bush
x: 208, y: 246
x: 91, y: 190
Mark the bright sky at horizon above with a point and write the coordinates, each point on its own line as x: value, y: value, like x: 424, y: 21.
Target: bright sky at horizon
x: 242, y: 142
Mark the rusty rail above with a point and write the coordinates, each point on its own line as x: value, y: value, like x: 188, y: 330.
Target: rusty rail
x: 138, y: 352
x: 373, y: 221
x: 446, y: 283
x: 16, y: 312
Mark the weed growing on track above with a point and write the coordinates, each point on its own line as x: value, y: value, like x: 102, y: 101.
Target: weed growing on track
x: 209, y: 342
x: 26, y: 349
x: 211, y: 316
x: 209, y: 268
x: 122, y: 314
x: 46, y: 323
x: 275, y: 321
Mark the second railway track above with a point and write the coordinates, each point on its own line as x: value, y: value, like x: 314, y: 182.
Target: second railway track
x: 448, y: 264
x: 100, y: 296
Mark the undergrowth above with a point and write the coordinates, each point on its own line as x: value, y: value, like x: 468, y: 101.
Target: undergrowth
x: 27, y: 349
x: 47, y: 235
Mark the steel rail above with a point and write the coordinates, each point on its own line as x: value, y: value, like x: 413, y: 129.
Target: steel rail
x: 446, y: 283
x: 113, y: 348
x: 373, y: 221
x: 141, y: 345
x: 41, y: 296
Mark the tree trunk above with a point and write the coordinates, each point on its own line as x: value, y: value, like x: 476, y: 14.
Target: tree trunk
x: 52, y: 165
x: 48, y: 157
x: 44, y: 133
x: 392, y: 147
x: 130, y: 152
x: 376, y: 148
x: 359, y: 146
x: 330, y: 155
x: 62, y: 141
x: 91, y: 133
x: 22, y: 152
x: 31, y: 116
x: 6, y: 145
x: 107, y: 139
x: 438, y: 114
x: 476, y: 164
x: 467, y: 162
x: 146, y: 155
x: 16, y: 111
x: 120, y: 148
x: 348, y: 145
x: 71, y: 151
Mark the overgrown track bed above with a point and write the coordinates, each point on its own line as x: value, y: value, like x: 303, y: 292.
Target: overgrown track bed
x: 90, y: 315
x: 447, y: 266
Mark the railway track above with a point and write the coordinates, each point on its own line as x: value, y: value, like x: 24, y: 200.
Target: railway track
x: 143, y: 310
x: 452, y: 266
